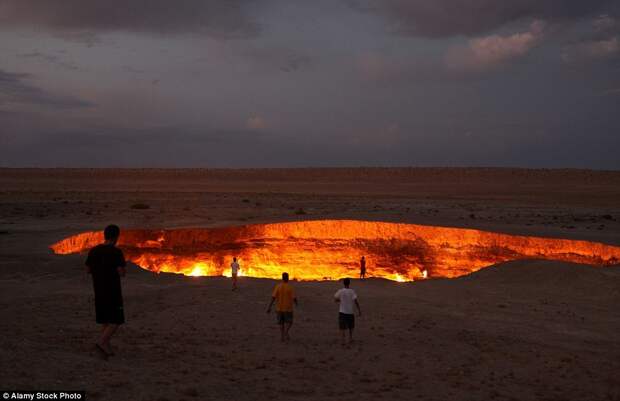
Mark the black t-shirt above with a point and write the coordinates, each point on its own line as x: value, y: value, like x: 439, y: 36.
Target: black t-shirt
x: 104, y: 261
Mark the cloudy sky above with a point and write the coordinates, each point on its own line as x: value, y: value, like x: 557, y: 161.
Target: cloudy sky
x: 279, y: 83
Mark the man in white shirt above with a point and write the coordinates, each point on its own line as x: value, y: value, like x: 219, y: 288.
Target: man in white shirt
x: 346, y: 297
x: 234, y: 270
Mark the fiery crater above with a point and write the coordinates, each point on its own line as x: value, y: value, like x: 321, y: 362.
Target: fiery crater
x: 331, y: 249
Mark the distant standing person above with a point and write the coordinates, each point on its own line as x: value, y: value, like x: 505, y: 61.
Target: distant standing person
x: 106, y: 264
x: 347, y: 298
x: 284, y: 297
x: 234, y: 271
x: 363, y: 267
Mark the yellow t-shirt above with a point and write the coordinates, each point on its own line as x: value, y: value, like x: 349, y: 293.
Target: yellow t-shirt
x: 284, y: 295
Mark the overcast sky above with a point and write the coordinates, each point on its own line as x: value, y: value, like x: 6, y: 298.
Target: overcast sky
x: 270, y: 83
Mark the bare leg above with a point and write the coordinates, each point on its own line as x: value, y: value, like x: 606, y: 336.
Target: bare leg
x: 104, y: 328
x: 287, y: 328
x: 234, y: 283
x: 342, y: 335
x: 282, y: 333
x: 99, y: 342
x: 106, y: 335
x: 350, y: 336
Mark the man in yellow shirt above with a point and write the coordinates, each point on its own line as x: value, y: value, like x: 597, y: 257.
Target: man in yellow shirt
x: 284, y: 297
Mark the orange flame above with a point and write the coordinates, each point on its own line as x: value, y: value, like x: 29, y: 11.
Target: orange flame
x: 331, y: 249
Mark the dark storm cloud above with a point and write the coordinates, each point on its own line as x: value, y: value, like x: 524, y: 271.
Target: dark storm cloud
x: 286, y: 60
x: 132, y: 70
x: 14, y: 88
x: 600, y: 43
x: 51, y: 59
x: 587, y: 51
x: 445, y: 18
x: 295, y: 63
x: 87, y: 38
x: 82, y: 18
x: 265, y: 58
x: 531, y: 83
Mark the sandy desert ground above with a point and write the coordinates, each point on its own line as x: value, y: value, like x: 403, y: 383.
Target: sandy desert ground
x: 522, y: 330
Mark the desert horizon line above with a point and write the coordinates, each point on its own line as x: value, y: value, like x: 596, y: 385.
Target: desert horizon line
x: 360, y: 167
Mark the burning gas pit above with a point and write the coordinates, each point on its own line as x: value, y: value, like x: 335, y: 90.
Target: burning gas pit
x: 331, y: 249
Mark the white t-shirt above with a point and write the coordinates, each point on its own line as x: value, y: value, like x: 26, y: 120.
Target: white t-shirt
x: 234, y: 267
x: 347, y: 299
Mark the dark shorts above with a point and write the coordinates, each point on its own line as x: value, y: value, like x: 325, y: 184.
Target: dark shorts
x: 109, y: 312
x: 284, y: 317
x: 346, y: 321
x: 108, y: 300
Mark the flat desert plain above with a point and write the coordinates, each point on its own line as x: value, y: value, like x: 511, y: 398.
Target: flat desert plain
x: 520, y: 330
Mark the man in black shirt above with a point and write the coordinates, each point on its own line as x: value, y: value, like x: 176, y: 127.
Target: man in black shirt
x: 106, y: 264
